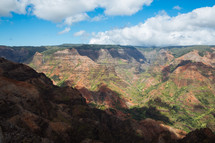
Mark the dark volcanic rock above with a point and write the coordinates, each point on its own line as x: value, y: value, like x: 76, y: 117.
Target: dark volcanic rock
x: 19, y: 54
x: 199, y: 136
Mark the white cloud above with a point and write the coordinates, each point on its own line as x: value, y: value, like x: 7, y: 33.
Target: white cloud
x: 60, y: 10
x: 57, y: 10
x: 83, y: 36
x: 196, y: 27
x: 73, y: 11
x: 98, y: 18
x: 68, y: 12
x: 66, y: 30
x: 123, y: 7
x: 80, y: 33
x: 76, y: 18
x: 177, y: 7
x: 7, y: 6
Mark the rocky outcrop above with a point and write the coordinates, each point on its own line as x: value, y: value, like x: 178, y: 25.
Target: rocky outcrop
x: 161, y: 57
x: 199, y: 136
x: 207, y: 59
x: 188, y: 71
x: 103, y: 96
x: 19, y: 54
x: 120, y: 52
x: 157, y: 132
x: 38, y: 59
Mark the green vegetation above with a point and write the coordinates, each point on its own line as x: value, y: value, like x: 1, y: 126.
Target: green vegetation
x: 180, y: 51
x: 55, y: 78
x: 61, y: 82
x: 205, y: 96
x: 51, y: 50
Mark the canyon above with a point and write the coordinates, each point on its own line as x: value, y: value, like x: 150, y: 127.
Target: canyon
x: 152, y: 94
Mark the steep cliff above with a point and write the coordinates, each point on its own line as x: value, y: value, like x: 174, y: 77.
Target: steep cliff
x: 19, y: 54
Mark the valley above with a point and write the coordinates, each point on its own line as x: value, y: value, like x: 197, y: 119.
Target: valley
x: 174, y: 85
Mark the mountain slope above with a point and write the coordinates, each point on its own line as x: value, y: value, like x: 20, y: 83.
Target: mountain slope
x: 186, y: 94
x: 19, y: 54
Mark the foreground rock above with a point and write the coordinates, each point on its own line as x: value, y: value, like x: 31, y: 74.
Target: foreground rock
x: 199, y: 136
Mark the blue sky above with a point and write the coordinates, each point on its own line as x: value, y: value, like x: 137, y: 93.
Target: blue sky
x: 125, y: 22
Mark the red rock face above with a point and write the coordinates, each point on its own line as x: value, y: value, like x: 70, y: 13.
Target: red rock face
x: 187, y: 71
x: 80, y: 70
x: 38, y: 59
x: 66, y: 65
x: 103, y: 96
x: 207, y: 59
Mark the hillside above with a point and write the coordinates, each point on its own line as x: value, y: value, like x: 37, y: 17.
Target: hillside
x: 175, y: 85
